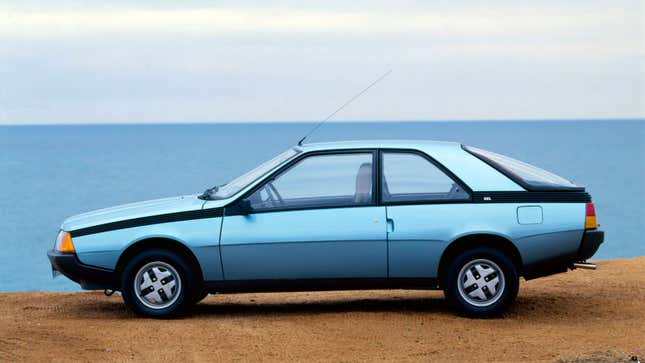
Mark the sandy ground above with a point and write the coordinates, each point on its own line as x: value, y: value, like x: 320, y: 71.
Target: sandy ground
x: 578, y: 316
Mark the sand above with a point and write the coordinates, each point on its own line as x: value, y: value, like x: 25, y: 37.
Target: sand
x: 578, y: 316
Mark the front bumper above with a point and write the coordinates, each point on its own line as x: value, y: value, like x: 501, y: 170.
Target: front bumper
x: 89, y: 277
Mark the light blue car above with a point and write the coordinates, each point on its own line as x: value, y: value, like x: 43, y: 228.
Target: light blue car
x: 341, y: 215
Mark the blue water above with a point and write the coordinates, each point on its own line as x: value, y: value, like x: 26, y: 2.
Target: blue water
x: 50, y: 172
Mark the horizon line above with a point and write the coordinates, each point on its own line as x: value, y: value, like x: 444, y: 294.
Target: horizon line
x: 227, y: 122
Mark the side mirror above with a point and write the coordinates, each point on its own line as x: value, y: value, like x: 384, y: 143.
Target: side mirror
x: 245, y: 206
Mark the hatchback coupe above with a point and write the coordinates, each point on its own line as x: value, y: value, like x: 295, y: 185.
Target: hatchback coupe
x: 342, y: 215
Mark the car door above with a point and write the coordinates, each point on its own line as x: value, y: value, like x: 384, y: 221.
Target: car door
x: 315, y: 219
x: 420, y: 197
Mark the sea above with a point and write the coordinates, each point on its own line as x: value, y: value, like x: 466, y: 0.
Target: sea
x: 48, y: 173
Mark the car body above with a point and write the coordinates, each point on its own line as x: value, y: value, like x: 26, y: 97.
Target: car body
x: 341, y: 215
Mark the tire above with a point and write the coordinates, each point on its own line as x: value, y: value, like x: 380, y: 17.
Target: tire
x: 172, y: 284
x: 473, y: 275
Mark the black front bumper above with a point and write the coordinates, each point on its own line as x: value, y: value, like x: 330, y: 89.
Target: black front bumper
x: 89, y: 277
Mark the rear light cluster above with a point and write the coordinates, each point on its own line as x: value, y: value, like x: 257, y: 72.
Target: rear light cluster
x: 591, y: 221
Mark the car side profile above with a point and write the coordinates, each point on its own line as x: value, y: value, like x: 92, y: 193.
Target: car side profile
x: 341, y: 215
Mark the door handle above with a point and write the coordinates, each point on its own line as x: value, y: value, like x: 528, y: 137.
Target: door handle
x: 390, y: 224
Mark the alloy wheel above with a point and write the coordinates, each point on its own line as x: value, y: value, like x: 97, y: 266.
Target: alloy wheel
x: 481, y: 282
x: 157, y: 285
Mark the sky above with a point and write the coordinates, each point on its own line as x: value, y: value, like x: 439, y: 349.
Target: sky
x: 254, y: 61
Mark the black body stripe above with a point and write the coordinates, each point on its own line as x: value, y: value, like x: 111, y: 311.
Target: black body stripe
x: 144, y: 221
x: 531, y: 197
x: 477, y: 197
x: 573, y: 195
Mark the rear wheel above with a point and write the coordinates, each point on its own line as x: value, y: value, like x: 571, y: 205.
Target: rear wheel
x: 158, y: 283
x: 481, y: 282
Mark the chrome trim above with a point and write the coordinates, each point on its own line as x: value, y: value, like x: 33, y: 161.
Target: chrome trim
x: 585, y: 265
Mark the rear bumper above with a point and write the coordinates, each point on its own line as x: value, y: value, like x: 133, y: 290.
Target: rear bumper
x: 89, y: 277
x: 591, y: 241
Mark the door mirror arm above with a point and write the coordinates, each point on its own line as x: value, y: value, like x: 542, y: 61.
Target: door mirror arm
x: 244, y: 206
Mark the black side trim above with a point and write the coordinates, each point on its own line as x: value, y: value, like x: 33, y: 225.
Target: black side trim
x: 144, y: 221
x: 89, y: 277
x: 284, y: 285
x: 531, y: 197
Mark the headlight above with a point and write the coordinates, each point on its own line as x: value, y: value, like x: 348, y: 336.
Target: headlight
x: 64, y: 243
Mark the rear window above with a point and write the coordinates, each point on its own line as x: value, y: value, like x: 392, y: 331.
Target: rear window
x: 529, y: 176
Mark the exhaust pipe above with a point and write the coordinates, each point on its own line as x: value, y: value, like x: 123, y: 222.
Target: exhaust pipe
x: 585, y: 265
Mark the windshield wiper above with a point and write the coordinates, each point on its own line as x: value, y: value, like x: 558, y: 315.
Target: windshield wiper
x: 207, y: 194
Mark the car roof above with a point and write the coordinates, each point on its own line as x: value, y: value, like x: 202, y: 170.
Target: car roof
x: 386, y: 144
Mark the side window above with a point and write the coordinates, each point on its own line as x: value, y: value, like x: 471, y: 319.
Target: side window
x: 319, y: 181
x: 410, y: 177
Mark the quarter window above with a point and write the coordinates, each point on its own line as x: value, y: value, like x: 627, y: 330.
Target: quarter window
x: 410, y: 177
x: 529, y: 176
x: 319, y: 181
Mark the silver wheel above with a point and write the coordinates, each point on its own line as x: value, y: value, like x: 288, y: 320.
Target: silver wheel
x: 481, y: 282
x: 157, y: 285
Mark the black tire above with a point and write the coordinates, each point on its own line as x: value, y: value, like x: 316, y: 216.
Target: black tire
x: 490, y: 305
x: 185, y: 290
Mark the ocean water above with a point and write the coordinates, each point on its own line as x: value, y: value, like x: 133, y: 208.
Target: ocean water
x: 50, y: 172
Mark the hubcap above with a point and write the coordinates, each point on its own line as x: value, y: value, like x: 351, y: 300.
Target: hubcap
x: 481, y: 282
x: 157, y: 285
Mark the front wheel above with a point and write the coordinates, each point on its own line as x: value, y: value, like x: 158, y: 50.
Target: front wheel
x: 158, y: 283
x: 481, y: 282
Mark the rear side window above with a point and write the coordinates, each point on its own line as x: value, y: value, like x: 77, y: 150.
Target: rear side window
x: 529, y: 176
x: 410, y: 177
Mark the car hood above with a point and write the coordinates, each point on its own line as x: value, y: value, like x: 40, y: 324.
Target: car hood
x: 133, y: 210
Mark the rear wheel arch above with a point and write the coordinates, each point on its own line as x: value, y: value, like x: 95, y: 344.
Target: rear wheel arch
x: 475, y: 240
x: 171, y: 245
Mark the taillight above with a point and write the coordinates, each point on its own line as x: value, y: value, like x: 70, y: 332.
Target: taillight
x: 590, y: 217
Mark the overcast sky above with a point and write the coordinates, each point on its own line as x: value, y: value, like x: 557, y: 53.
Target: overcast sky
x: 213, y: 61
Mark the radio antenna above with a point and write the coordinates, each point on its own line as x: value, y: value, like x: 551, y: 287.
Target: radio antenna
x: 344, y: 105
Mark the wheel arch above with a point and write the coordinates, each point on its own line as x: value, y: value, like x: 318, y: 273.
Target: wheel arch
x: 473, y: 240
x: 160, y: 243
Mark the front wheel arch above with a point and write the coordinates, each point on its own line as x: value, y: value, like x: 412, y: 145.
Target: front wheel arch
x: 158, y: 243
x: 471, y: 241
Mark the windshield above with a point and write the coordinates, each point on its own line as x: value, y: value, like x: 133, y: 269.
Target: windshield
x: 236, y: 185
x: 526, y: 174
